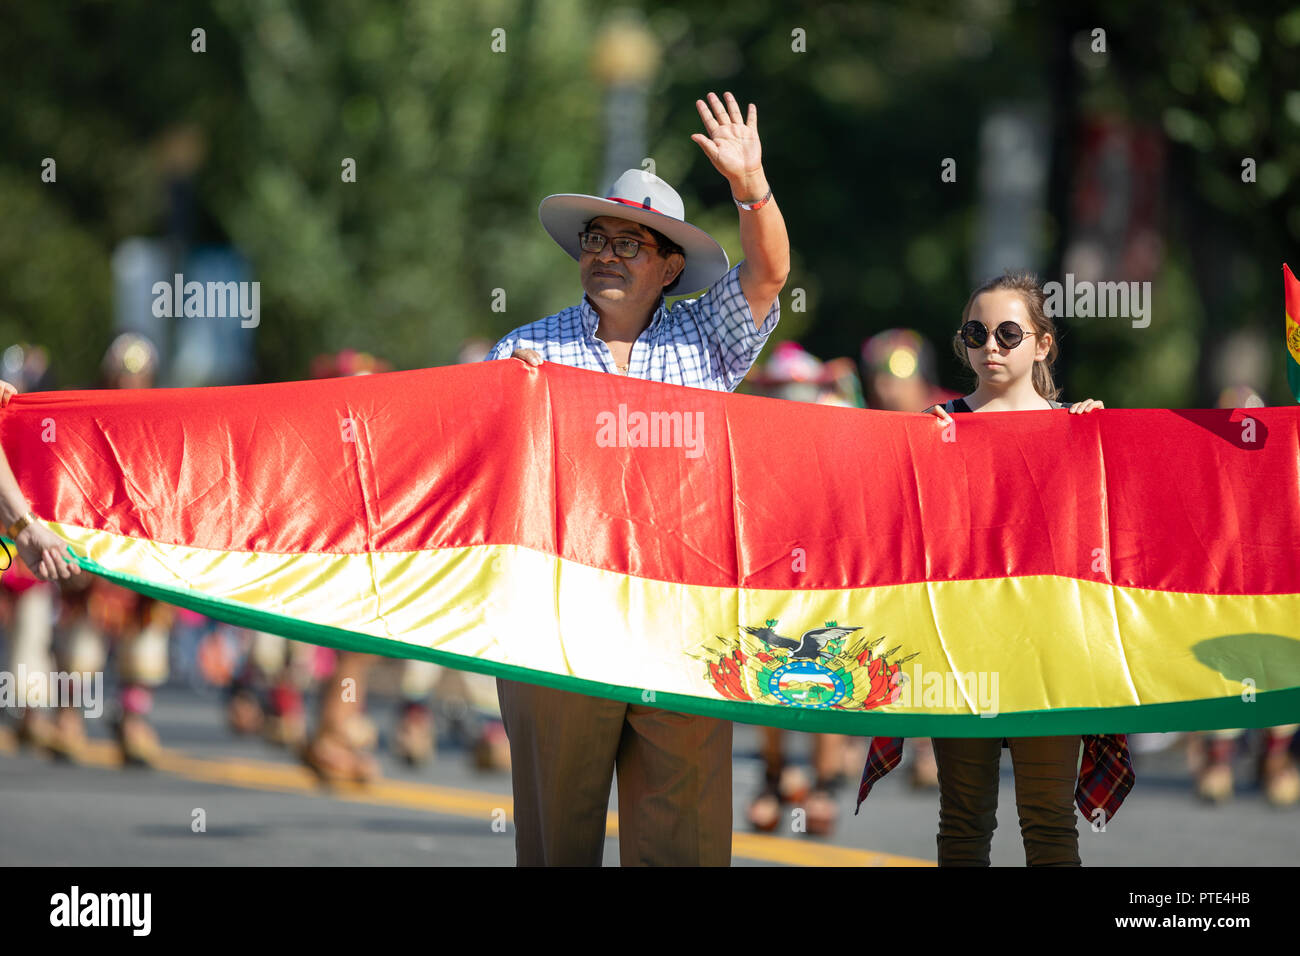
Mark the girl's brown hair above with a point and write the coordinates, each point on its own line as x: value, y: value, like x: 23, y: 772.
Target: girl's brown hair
x: 1025, y: 283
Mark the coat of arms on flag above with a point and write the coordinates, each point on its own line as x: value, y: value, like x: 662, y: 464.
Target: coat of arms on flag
x: 827, y: 667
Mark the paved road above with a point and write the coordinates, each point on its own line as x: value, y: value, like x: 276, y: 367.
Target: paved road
x: 261, y: 808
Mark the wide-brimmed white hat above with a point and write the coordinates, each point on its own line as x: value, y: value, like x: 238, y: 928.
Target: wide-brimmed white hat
x: 646, y: 199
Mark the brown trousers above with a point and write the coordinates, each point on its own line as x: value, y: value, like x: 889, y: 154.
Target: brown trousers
x: 674, y: 780
x: 1046, y: 773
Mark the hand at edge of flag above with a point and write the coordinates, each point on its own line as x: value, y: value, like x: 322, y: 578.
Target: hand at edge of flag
x: 527, y: 356
x: 1087, y: 405
x: 939, y: 412
x: 43, y: 552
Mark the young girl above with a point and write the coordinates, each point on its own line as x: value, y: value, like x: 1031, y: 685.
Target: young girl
x: 1009, y: 341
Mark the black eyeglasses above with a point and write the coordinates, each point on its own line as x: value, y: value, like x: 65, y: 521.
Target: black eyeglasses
x: 625, y: 247
x: 1008, y: 334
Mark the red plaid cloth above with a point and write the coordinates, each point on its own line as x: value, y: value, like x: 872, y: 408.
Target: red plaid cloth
x: 1105, y: 773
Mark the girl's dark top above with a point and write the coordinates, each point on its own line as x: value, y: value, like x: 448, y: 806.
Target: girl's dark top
x: 959, y: 405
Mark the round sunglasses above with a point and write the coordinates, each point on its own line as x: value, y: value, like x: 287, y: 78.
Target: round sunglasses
x: 1008, y: 334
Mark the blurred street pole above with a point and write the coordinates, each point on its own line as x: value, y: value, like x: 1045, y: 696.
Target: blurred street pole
x: 625, y: 59
x: 1012, y: 190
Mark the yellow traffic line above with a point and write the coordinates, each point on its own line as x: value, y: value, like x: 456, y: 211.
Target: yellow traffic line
x: 475, y: 804
x: 770, y: 849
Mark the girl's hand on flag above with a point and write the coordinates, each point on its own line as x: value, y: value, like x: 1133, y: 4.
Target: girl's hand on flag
x: 1087, y: 405
x: 938, y: 412
x: 7, y: 392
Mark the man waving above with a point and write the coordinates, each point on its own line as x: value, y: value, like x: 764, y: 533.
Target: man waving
x: 633, y: 246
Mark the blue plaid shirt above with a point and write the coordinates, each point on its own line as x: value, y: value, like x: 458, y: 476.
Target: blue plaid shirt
x: 709, y: 342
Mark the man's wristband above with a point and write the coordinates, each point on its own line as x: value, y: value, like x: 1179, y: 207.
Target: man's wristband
x: 16, y: 528
x: 757, y: 204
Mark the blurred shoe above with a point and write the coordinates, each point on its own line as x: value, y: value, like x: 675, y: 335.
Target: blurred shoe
x: 138, y: 740
x: 360, y: 732
x: 492, y: 749
x: 68, y: 741
x: 334, y: 761
x: 822, y: 812
x: 244, y: 714
x: 286, y: 730
x: 414, y: 740
x: 794, y: 785
x: 1279, y: 779
x: 286, y: 720
x: 764, y: 812
x: 1214, y: 783
x: 36, y: 729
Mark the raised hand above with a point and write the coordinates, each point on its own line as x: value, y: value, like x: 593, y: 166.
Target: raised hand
x: 731, y: 142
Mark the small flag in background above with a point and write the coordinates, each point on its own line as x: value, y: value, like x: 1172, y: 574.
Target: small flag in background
x: 1292, y: 331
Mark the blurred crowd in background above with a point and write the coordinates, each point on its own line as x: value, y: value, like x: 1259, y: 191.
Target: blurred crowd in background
x: 376, y: 170
x: 264, y: 682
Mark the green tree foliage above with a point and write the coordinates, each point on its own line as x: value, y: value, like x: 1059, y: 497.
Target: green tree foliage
x: 455, y: 144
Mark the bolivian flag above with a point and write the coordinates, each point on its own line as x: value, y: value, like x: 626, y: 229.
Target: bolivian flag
x: 1292, y: 330
x: 780, y: 563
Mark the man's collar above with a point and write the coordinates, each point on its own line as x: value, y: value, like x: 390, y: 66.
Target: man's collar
x: 591, y: 318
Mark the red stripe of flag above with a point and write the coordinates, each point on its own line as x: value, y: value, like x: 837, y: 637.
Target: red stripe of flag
x: 781, y: 495
x: 1292, y: 293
